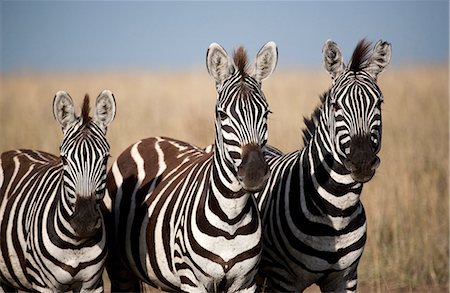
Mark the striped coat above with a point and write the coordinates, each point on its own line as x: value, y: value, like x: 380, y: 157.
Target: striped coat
x: 314, y: 224
x: 51, y: 229
x: 183, y: 219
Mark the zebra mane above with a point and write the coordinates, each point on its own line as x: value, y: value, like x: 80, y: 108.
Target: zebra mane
x: 240, y: 60
x: 85, y: 109
x: 311, y: 123
x: 360, y: 56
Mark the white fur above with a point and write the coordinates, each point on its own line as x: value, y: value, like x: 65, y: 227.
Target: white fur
x: 217, y: 63
x: 105, y: 109
x: 380, y: 58
x: 333, y: 59
x: 63, y: 109
x: 266, y: 61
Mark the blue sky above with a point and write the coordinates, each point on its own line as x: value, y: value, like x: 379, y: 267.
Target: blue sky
x: 154, y: 35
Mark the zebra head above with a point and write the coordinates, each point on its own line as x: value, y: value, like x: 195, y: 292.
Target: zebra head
x: 241, y: 111
x: 84, y: 154
x: 353, y: 105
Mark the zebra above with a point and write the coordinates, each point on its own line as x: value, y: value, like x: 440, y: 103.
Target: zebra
x: 184, y: 219
x: 51, y: 227
x: 314, y: 225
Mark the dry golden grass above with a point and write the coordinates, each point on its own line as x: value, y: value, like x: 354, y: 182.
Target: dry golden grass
x: 406, y: 203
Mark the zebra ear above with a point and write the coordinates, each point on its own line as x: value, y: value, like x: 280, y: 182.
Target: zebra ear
x: 63, y: 109
x: 105, y: 109
x: 266, y: 61
x: 217, y: 63
x: 380, y: 58
x: 332, y: 59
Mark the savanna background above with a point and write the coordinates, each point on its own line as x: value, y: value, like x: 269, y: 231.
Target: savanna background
x: 407, y: 202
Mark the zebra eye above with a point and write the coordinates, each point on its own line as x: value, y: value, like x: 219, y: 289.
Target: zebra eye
x: 335, y: 106
x: 267, y: 114
x: 63, y: 159
x: 222, y: 115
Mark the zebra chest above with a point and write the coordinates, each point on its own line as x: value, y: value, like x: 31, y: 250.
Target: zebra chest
x: 215, y: 244
x: 215, y: 253
x: 65, y: 263
x: 59, y: 262
x: 328, y: 252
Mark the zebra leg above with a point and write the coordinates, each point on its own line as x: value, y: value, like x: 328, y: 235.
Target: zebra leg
x: 189, y: 281
x: 345, y: 281
x: 278, y: 279
x: 246, y: 284
x: 251, y: 289
x: 5, y: 288
x: 351, y: 279
x: 97, y: 288
x: 122, y: 280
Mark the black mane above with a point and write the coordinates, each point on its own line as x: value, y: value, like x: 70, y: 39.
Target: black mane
x: 360, y: 56
x: 241, y: 61
x: 85, y: 109
x: 311, y: 123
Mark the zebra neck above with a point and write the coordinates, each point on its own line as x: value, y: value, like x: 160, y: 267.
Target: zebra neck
x: 225, y: 173
x: 64, y: 212
x: 327, y: 181
x: 226, y: 193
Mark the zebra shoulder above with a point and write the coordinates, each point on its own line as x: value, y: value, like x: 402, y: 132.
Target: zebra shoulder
x: 27, y: 157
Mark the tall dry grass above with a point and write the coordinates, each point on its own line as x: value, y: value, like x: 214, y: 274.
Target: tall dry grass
x: 406, y: 203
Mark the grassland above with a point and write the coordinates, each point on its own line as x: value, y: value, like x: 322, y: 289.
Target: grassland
x: 407, y: 202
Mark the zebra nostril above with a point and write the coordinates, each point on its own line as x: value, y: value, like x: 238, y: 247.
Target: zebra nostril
x: 241, y: 173
x: 375, y: 163
x: 98, y: 223
x: 349, y: 165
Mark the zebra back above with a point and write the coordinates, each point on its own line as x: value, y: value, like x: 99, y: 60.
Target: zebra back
x: 53, y: 237
x: 314, y: 224
x: 184, y: 219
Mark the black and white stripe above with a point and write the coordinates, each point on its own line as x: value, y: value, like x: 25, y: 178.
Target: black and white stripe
x: 314, y: 224
x: 51, y: 228
x: 183, y: 219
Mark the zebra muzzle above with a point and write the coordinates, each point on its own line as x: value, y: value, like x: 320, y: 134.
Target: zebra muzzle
x: 362, y: 161
x: 86, y: 220
x: 254, y: 170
